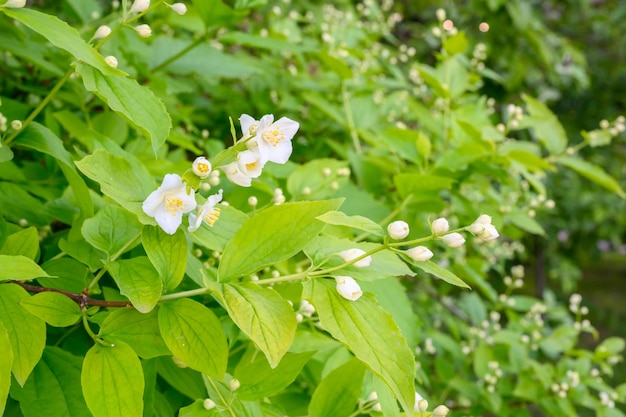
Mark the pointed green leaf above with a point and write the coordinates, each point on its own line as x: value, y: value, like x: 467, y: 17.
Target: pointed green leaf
x: 6, y: 362
x: 168, y: 254
x: 593, y: 173
x: 137, y: 280
x: 112, y: 381
x: 216, y: 237
x: 111, y: 229
x: 263, y: 315
x: 19, y: 268
x: 128, y: 184
x: 272, y: 236
x: 27, y: 333
x: 359, y: 325
x: 358, y: 222
x: 442, y: 273
x: 135, y: 102
x: 525, y: 222
x: 53, y: 389
x: 547, y: 127
x: 54, y: 308
x: 24, y: 242
x: 194, y: 335
x: 338, y: 393
x: 138, y: 330
x: 61, y: 35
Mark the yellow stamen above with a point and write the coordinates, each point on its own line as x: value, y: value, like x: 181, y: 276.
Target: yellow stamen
x: 273, y: 136
x: 251, y: 166
x: 202, y: 167
x: 212, y: 216
x: 174, y: 205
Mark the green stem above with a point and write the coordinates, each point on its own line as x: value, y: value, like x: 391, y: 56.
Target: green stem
x: 182, y: 294
x: 389, y: 217
x: 90, y: 332
x: 116, y: 255
x: 41, y: 105
x: 176, y: 56
x: 348, y: 110
x: 222, y: 399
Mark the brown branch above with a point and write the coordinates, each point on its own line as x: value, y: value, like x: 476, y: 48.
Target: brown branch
x: 81, y: 299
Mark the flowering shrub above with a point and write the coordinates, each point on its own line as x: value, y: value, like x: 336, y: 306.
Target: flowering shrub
x: 154, y: 262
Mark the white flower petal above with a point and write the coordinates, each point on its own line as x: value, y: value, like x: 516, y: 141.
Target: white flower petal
x: 247, y: 122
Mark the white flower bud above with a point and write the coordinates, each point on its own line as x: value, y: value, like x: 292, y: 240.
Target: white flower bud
x: 253, y: 201
x: 111, y: 61
x: 420, y: 253
x: 398, y: 230
x: 350, y: 254
x: 422, y: 406
x: 201, y: 167
x: 179, y: 8
x: 208, y: 404
x: 15, y: 4
x: 441, y: 14
x: 440, y: 411
x: 139, y: 6
x: 16, y: 124
x: 234, y: 384
x: 145, y: 31
x: 178, y: 362
x: 453, y: 240
x: 377, y: 407
x: 307, y: 309
x: 348, y: 288
x: 102, y: 32
x: 440, y: 226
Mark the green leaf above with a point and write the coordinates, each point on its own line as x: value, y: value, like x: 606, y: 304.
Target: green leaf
x: 272, y: 236
x: 547, y: 127
x: 216, y: 237
x: 442, y: 273
x: 357, y: 222
x: 138, y: 330
x: 530, y: 161
x: 27, y: 333
x: 112, y: 381
x: 194, y: 335
x: 263, y: 315
x: 410, y: 183
x: 456, y: 44
x: 19, y: 268
x: 137, y: 280
x: 358, y: 325
x: 42, y: 139
x: 111, y: 230
x: 24, y: 242
x: 61, y: 35
x: 6, y: 363
x: 16, y: 204
x: 259, y: 380
x: 263, y: 42
x: 214, y: 12
x: 54, y: 308
x: 338, y: 393
x: 128, y: 184
x: 593, y: 173
x: 135, y: 102
x: 525, y: 222
x: 53, y: 389
x: 562, y: 339
x: 168, y: 254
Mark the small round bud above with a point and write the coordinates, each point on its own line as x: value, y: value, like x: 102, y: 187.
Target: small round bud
x: 145, y: 31
x: 441, y: 14
x: 422, y: 405
x: 178, y: 362
x: 350, y: 254
x: 16, y: 124
x: 440, y: 411
x: 253, y: 201
x: 15, y: 4
x: 440, y: 226
x: 234, y: 384
x: 420, y: 253
x: 102, y: 32
x: 139, y: 6
x: 453, y: 240
x: 208, y: 404
x: 111, y: 61
x: 348, y: 288
x: 201, y: 167
x: 377, y: 407
x: 179, y: 8
x: 398, y: 230
x: 23, y: 222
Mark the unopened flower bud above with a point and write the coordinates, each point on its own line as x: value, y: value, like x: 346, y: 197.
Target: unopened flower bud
x: 208, y: 404
x: 145, y: 31
x: 16, y: 124
x: 201, y: 167
x: 422, y: 405
x: 179, y: 8
x: 377, y: 407
x: 348, y: 288
x: 111, y: 61
x: 398, y: 230
x: 139, y: 6
x: 440, y: 411
x: 350, y: 254
x: 102, y: 32
x: 420, y: 253
x: 253, y: 201
x: 178, y: 362
x: 234, y: 384
x: 440, y: 226
x: 441, y: 14
x: 453, y: 240
x: 15, y: 4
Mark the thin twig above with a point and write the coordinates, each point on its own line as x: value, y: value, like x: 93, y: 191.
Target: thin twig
x: 81, y: 299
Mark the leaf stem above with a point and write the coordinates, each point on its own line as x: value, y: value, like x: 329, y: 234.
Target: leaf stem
x: 182, y: 294
x: 350, y: 119
x: 90, y: 332
x: 178, y: 55
x: 113, y: 257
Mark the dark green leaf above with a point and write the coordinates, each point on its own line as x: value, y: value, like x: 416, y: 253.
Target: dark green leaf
x: 593, y: 173
x: 547, y: 127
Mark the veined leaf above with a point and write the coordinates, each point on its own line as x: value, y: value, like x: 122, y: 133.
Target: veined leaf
x: 358, y: 222
x: 24, y: 242
x: 111, y: 229
x: 547, y: 127
x: 54, y: 308
x: 439, y: 272
x: 6, y: 363
x: 338, y: 393
x: 137, y: 280
x: 19, y: 268
x: 593, y: 173
x: 168, y: 254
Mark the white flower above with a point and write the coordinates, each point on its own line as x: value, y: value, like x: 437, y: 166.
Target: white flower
x: 440, y: 226
x: 168, y: 203
x: 145, y: 31
x: 102, y: 32
x: 201, y: 167
x: 454, y: 240
x: 483, y: 228
x: 272, y: 139
x: 348, y: 288
x: 111, y: 61
x: 247, y: 166
x: 139, y: 6
x: 15, y: 4
x: 206, y: 212
x: 398, y: 230
x: 440, y: 411
x: 420, y: 253
x: 350, y: 254
x: 179, y: 8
